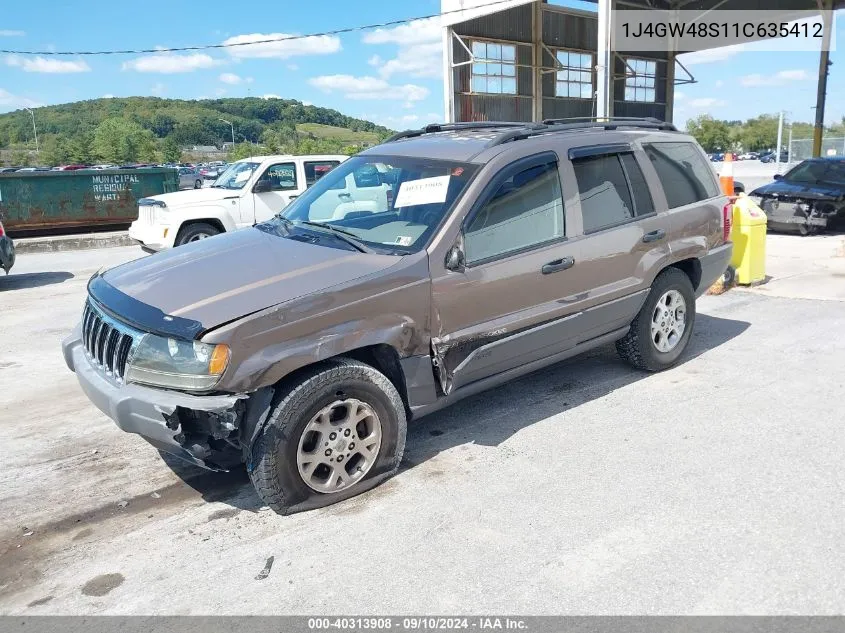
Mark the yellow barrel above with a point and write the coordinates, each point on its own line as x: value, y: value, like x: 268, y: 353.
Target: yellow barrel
x: 748, y: 233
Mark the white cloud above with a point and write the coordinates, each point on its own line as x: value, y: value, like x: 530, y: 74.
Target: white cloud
x: 233, y: 79
x: 292, y: 67
x: 778, y: 79
x: 45, y: 65
x: 108, y: 95
x: 10, y: 101
x: 368, y: 88
x: 158, y: 89
x: 307, y: 103
x: 270, y: 96
x: 711, y: 55
x: 11, y: 33
x: 680, y: 96
x: 719, y: 83
x: 282, y: 49
x: 170, y: 64
x: 706, y: 102
x: 420, y: 51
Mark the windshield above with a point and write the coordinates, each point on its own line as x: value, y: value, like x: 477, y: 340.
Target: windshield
x: 818, y: 171
x: 390, y: 204
x: 236, y: 176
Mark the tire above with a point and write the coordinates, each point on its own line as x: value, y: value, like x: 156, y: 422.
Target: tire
x: 194, y: 232
x: 274, y: 461
x: 198, y: 184
x: 638, y: 347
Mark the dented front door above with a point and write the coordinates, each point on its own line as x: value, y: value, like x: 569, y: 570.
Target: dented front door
x: 517, y: 299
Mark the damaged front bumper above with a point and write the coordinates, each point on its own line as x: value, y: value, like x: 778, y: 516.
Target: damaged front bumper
x: 198, y: 429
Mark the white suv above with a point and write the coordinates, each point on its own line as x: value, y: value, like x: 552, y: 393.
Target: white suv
x: 250, y: 191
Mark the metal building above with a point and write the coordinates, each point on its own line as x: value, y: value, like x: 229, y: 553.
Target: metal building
x: 527, y: 60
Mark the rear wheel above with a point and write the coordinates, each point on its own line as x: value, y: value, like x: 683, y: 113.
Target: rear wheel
x: 333, y: 434
x: 662, y: 329
x: 195, y: 232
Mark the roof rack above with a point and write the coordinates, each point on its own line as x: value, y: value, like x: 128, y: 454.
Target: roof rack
x: 431, y: 128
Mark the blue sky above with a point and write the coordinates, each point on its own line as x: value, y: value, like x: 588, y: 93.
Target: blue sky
x: 391, y: 76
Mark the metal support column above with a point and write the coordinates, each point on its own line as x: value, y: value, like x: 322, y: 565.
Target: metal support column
x: 824, y: 64
x: 537, y: 60
x: 604, y: 61
x: 670, y: 87
x: 449, y: 76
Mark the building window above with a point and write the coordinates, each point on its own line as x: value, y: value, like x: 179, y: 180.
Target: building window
x: 494, y: 70
x: 639, y: 85
x: 576, y: 80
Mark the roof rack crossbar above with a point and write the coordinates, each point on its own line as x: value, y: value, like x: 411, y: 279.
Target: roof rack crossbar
x: 431, y: 128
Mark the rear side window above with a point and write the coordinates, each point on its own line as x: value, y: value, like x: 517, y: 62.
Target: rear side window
x: 612, y: 190
x: 526, y: 210
x: 314, y: 170
x: 685, y: 175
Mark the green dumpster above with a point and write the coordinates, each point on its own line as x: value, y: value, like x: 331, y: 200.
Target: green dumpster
x: 56, y: 201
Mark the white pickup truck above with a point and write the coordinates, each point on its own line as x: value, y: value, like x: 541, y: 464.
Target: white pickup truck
x: 250, y: 191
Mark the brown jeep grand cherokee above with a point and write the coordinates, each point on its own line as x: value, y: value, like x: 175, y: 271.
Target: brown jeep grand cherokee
x: 468, y: 255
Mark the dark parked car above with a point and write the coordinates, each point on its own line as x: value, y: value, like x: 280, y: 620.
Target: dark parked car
x: 306, y: 359
x: 7, y: 250
x: 808, y: 198
x: 771, y: 157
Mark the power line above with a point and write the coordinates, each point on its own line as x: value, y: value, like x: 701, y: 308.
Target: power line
x: 271, y: 40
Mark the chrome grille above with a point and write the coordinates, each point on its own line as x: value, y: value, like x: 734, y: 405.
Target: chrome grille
x: 107, y: 343
x: 147, y: 214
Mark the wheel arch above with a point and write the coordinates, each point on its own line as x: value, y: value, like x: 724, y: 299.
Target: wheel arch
x: 691, y: 267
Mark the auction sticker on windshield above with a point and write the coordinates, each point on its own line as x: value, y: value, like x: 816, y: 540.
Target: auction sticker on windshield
x: 243, y: 175
x: 422, y: 191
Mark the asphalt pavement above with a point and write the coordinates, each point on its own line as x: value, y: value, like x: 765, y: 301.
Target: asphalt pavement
x: 586, y: 488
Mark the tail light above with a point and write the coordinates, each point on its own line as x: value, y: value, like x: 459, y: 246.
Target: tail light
x: 727, y: 218
x: 2, y: 232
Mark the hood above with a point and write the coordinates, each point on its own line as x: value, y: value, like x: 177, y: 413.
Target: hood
x: 787, y: 189
x: 196, y: 196
x: 223, y: 278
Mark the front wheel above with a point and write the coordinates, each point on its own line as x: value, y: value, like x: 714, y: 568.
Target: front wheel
x: 336, y: 432
x: 662, y: 329
x: 195, y: 232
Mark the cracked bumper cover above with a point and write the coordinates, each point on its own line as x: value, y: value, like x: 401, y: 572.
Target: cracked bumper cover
x: 139, y: 409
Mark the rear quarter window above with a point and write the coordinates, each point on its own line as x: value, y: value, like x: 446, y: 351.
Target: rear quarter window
x: 685, y: 175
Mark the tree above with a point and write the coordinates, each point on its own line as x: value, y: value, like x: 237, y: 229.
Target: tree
x: 123, y: 141
x: 54, y: 150
x: 170, y: 151
x: 81, y: 148
x: 244, y: 150
x: 20, y: 158
x: 711, y: 134
x: 760, y: 132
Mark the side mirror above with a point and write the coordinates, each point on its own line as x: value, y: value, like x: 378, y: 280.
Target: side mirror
x: 778, y: 176
x: 455, y: 259
x: 261, y: 186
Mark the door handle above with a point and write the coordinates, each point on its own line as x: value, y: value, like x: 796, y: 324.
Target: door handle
x: 344, y: 195
x: 653, y: 236
x: 558, y: 265
x: 292, y: 197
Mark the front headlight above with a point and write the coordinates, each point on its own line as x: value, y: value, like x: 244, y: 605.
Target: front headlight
x: 176, y: 363
x: 152, y: 202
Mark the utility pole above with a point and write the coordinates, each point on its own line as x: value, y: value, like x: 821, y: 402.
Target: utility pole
x: 824, y: 65
x: 780, y: 141
x: 34, y: 130
x: 233, y: 130
x: 789, y: 154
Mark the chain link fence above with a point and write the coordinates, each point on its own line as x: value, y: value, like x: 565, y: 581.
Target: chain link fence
x: 802, y: 148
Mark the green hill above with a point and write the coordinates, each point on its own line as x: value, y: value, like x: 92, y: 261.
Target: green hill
x: 151, y: 128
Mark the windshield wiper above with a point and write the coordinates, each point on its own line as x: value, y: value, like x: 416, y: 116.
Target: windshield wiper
x: 345, y: 236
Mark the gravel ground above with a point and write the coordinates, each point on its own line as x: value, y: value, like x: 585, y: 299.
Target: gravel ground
x: 585, y: 488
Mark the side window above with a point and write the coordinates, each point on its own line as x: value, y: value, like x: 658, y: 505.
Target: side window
x: 685, y: 175
x: 526, y: 210
x: 314, y: 170
x: 282, y: 177
x: 603, y: 189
